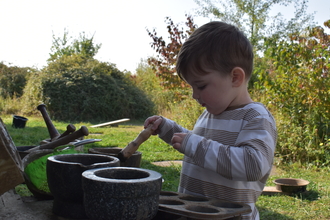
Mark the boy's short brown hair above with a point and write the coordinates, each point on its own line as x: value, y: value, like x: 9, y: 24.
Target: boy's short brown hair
x: 216, y: 46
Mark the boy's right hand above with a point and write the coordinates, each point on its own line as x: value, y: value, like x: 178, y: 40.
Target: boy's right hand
x: 155, y: 121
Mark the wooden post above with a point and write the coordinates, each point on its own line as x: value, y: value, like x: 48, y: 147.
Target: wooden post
x: 11, y: 167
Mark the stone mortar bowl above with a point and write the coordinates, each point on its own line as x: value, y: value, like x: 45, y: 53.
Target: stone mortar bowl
x: 64, y: 180
x: 133, y: 161
x: 121, y: 193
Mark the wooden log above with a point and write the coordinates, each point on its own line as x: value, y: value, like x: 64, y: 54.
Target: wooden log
x: 110, y: 123
x: 271, y: 190
x: 11, y: 167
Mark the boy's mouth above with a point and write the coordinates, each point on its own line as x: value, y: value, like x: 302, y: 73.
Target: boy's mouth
x: 201, y: 103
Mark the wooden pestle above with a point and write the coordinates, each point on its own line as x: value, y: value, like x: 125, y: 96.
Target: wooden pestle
x: 132, y: 147
x: 69, y: 129
x: 83, y: 131
x: 53, y: 133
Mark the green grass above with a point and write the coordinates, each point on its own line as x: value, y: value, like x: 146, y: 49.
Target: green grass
x: 313, y: 204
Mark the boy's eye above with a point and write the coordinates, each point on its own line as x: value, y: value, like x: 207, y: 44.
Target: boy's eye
x: 201, y: 87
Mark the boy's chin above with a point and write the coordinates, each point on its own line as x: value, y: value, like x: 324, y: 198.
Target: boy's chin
x: 214, y: 112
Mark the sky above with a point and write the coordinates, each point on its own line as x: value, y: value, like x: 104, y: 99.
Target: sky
x: 27, y: 27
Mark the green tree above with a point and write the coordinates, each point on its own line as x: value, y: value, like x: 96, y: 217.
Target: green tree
x: 296, y: 82
x: 13, y: 80
x: 252, y: 17
x: 83, y: 46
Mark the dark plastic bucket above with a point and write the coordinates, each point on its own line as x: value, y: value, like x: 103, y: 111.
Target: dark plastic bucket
x: 19, y: 121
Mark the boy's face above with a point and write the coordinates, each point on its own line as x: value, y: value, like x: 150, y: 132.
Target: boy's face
x: 213, y: 91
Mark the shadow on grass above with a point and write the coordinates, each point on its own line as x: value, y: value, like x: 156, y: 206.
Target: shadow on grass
x: 310, y: 195
x: 276, y: 199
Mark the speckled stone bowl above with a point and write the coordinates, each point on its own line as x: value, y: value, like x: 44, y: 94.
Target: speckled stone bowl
x: 121, y: 193
x: 64, y: 177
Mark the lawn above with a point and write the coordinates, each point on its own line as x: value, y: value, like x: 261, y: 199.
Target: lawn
x: 313, y: 204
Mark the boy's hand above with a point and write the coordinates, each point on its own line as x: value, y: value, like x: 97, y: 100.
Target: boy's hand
x: 177, y: 140
x: 156, y: 121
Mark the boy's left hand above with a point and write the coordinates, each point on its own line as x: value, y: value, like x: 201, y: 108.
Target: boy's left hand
x: 177, y: 140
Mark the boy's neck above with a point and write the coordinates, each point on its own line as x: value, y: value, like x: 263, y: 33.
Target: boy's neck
x: 242, y: 98
x: 237, y: 107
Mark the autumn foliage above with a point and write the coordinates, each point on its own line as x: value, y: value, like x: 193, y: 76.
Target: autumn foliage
x: 164, y: 62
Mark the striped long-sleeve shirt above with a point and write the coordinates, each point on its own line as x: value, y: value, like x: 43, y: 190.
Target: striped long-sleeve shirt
x: 227, y: 156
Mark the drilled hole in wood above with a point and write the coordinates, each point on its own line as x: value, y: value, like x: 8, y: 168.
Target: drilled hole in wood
x: 194, y: 198
x: 202, y: 209
x: 226, y: 205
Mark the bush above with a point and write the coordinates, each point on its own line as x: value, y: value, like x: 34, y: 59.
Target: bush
x: 147, y: 80
x: 79, y: 89
x: 12, y: 80
x: 186, y: 112
x: 296, y: 87
x: 11, y: 106
x: 175, y: 103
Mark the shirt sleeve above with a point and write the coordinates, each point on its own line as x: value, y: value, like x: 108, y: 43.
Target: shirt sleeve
x: 168, y: 128
x: 249, y: 159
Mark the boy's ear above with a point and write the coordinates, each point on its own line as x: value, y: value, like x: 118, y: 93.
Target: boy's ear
x: 238, y: 76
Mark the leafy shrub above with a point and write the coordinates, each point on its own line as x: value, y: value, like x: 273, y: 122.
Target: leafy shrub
x: 78, y: 89
x: 186, y: 112
x: 146, y: 80
x: 296, y: 86
x: 12, y: 80
x: 10, y: 106
x: 173, y: 103
x: 33, y: 94
x: 163, y: 98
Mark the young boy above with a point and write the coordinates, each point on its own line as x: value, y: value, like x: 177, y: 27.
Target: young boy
x: 229, y: 153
